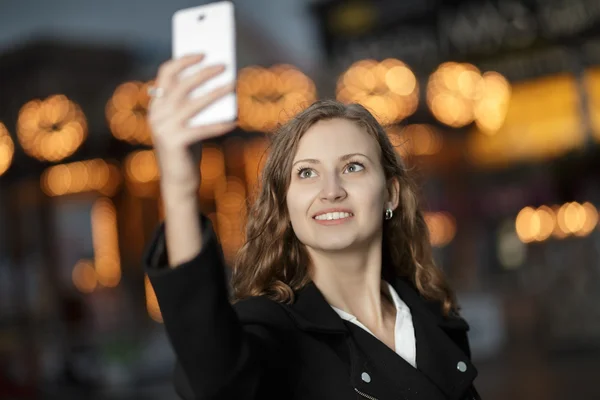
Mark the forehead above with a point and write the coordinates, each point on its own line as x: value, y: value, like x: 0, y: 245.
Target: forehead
x: 333, y: 138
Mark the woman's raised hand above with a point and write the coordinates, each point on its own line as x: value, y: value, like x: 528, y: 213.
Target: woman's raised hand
x: 175, y: 142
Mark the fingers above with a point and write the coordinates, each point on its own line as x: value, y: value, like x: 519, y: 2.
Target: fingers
x: 169, y: 71
x: 194, y: 106
x: 169, y: 115
x: 197, y: 134
x: 181, y: 90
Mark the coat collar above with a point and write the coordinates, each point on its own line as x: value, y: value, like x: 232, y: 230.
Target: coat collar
x: 311, y: 312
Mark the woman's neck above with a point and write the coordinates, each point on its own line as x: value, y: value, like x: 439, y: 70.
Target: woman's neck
x: 352, y: 283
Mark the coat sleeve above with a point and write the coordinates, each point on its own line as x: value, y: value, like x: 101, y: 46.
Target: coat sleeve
x: 218, y: 356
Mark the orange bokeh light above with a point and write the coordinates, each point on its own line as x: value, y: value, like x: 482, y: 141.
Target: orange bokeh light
x: 51, y: 129
x: 268, y: 97
x: 7, y: 149
x: 389, y: 89
x: 127, y: 110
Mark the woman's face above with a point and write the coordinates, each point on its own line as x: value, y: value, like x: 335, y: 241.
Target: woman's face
x: 337, y: 194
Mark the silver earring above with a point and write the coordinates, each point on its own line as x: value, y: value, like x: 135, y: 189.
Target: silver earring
x: 389, y: 213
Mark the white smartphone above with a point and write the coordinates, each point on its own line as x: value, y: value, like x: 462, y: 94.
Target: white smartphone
x: 209, y: 29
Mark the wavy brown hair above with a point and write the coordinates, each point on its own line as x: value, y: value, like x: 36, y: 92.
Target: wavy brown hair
x: 274, y: 263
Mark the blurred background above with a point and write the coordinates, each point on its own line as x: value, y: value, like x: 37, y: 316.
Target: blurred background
x: 494, y: 104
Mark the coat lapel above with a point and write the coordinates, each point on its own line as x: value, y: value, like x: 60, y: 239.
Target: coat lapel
x: 311, y: 312
x: 439, y: 357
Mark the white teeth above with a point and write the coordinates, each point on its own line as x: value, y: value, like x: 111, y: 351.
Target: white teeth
x: 332, y: 216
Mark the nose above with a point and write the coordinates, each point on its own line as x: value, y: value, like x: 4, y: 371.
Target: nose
x: 333, y: 189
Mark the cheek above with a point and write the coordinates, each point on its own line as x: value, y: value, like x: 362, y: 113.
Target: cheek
x: 370, y: 197
x: 298, y: 202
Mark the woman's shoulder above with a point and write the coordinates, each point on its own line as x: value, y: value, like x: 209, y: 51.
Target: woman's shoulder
x: 264, y: 311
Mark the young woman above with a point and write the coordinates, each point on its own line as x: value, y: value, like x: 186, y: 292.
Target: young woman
x: 336, y: 295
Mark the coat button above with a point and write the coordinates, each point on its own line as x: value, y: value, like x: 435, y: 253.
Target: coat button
x: 366, y: 377
x: 461, y: 366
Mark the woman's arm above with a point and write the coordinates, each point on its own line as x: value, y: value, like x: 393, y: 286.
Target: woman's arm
x: 218, y: 356
x: 183, y: 228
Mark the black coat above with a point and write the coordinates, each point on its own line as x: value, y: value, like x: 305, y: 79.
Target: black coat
x: 261, y: 349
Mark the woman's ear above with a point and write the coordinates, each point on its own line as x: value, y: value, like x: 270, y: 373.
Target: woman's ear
x: 393, y: 193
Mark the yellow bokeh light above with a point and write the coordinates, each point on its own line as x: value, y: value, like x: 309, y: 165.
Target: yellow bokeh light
x: 450, y: 93
x: 268, y: 97
x: 560, y: 221
x: 573, y: 217
x: 401, y: 80
x: 231, y: 205
x: 458, y: 94
x: 141, y: 166
x: 557, y: 221
x: 212, y: 168
x: 389, y: 89
x: 545, y: 221
x: 441, y: 226
x: 416, y: 140
x: 7, y: 149
x: 543, y: 121
x: 51, y: 129
x: 82, y: 176
x: 527, y: 224
x: 492, y: 105
x: 84, y: 276
x: 142, y: 173
x: 590, y: 219
x: 535, y: 224
x: 126, y: 112
x: 106, y: 242
x: 151, y: 301
x: 578, y: 219
x: 558, y: 232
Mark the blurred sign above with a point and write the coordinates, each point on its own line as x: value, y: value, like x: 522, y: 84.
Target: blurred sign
x: 425, y: 33
x: 397, y: 29
x: 489, y: 26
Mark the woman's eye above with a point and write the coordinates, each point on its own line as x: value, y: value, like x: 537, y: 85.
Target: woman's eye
x: 305, y: 173
x: 354, y: 167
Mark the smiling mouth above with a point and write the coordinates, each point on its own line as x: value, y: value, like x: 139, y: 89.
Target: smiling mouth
x: 333, y: 216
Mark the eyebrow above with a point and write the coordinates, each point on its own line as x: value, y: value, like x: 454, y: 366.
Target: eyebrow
x: 342, y: 158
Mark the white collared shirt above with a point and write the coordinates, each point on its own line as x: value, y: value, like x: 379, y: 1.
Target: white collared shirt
x: 404, y: 333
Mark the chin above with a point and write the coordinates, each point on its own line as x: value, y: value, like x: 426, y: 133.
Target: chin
x: 331, y: 247
x: 331, y: 243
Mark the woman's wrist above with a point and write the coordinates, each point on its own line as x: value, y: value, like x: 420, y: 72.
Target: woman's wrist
x: 179, y: 192
x: 182, y: 225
